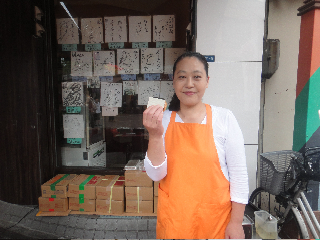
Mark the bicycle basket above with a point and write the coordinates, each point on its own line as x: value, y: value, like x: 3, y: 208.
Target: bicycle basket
x: 311, y: 163
x: 276, y: 170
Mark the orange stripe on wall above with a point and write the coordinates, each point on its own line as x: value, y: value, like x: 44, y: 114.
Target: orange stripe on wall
x: 309, y: 48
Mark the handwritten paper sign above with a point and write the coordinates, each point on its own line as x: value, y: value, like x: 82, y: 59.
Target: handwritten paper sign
x: 111, y: 94
x: 72, y: 94
x: 130, y: 87
x: 170, y: 56
x: 73, y: 125
x: 81, y: 64
x: 104, y: 63
x: 67, y: 31
x: 163, y: 28
x: 92, y: 30
x: 147, y: 89
x: 139, y: 28
x: 166, y: 90
x: 115, y: 29
x: 93, y: 82
x: 109, y: 111
x: 152, y: 60
x: 128, y: 61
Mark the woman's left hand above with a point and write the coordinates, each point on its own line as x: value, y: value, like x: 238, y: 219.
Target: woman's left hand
x: 234, y: 231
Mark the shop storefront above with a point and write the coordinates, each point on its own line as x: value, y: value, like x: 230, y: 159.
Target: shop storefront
x: 78, y: 75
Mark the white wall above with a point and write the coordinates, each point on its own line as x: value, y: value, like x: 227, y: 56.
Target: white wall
x: 232, y: 30
x: 280, y: 90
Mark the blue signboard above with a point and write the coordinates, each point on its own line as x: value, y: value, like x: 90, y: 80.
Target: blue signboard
x: 210, y: 58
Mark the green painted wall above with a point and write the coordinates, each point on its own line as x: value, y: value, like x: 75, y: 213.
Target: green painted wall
x: 306, y: 119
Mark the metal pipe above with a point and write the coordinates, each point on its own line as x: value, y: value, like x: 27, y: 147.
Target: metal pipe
x: 310, y: 211
x: 302, y: 224
x: 314, y: 233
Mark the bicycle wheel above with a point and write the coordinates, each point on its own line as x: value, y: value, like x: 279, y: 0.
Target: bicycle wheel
x: 290, y: 229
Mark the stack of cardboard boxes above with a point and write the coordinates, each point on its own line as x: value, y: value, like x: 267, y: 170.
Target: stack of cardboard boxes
x: 110, y: 195
x: 82, y: 193
x: 139, y: 192
x: 54, y: 194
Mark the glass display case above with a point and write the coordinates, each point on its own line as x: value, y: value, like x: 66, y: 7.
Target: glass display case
x: 113, y: 56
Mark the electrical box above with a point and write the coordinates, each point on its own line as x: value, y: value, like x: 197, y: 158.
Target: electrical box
x: 270, y: 59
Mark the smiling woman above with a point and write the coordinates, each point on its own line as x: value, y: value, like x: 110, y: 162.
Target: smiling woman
x: 196, y: 151
x: 190, y: 82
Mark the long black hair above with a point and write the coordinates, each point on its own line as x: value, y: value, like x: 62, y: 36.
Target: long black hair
x: 175, y: 102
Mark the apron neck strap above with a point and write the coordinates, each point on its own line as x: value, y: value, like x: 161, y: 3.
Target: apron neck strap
x: 208, y: 112
x: 209, y: 115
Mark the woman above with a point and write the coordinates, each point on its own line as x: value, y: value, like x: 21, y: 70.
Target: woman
x: 197, y: 151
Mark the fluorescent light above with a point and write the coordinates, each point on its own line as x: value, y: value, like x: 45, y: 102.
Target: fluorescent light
x: 65, y: 8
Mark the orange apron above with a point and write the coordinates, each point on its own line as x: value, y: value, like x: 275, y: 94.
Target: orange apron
x: 194, y: 198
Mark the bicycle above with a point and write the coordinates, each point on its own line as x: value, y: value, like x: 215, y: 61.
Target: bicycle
x: 285, y: 175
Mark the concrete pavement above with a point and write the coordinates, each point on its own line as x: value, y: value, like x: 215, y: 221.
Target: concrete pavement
x: 20, y: 222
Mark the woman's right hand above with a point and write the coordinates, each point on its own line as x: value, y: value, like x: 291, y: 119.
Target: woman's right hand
x: 152, y: 120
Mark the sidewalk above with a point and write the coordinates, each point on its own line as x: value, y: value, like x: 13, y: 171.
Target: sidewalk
x: 20, y: 222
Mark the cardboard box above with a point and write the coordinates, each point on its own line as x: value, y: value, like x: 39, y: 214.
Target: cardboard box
x: 137, y: 178
x: 134, y: 206
x: 156, y: 188
x: 111, y: 188
x: 82, y: 204
x: 84, y: 186
x: 57, y: 187
x: 139, y: 193
x: 103, y: 206
x: 155, y: 204
x: 53, y: 204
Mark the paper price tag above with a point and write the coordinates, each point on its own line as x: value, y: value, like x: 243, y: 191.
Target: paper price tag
x: 152, y: 76
x: 139, y: 45
x: 164, y: 44
x: 93, y: 47
x: 73, y: 109
x: 115, y: 45
x: 69, y: 47
x: 106, y: 78
x: 128, y: 77
x: 74, y: 140
x: 78, y: 79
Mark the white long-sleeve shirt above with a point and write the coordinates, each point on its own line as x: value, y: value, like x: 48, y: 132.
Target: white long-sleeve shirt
x: 229, y: 142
